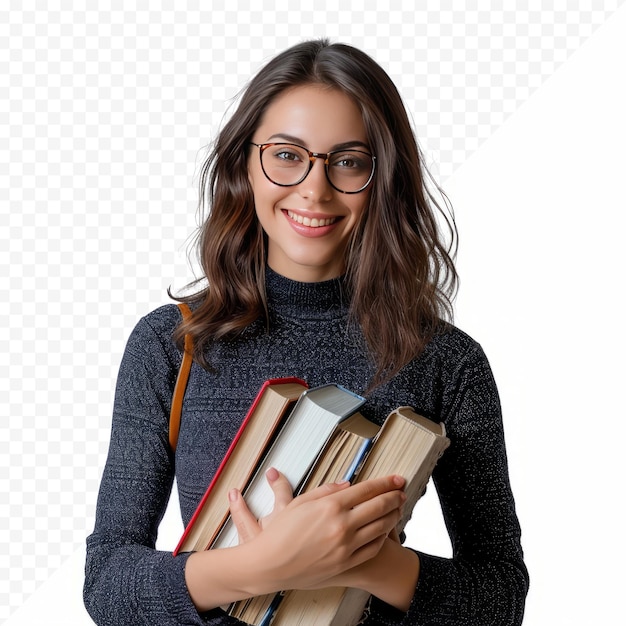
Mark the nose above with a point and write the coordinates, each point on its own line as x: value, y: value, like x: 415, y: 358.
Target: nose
x: 315, y: 187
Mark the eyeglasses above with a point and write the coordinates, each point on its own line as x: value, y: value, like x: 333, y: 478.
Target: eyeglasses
x: 288, y: 164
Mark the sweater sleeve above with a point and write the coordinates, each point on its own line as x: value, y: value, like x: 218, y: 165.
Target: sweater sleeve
x: 127, y: 581
x: 485, y: 582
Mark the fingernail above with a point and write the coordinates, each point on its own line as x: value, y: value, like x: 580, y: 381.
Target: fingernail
x: 232, y: 495
x: 271, y: 474
x: 398, y: 480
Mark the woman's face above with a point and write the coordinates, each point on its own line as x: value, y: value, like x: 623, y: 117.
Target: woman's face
x: 308, y: 225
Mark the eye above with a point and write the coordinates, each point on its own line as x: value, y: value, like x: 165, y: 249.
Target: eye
x: 349, y: 162
x: 285, y: 155
x: 354, y: 161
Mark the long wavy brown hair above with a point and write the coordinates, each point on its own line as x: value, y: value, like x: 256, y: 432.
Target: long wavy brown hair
x: 399, y: 269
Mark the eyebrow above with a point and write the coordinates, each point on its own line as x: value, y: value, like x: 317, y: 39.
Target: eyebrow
x: 346, y: 145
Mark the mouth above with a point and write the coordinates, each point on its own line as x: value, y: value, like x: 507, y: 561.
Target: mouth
x: 311, y: 222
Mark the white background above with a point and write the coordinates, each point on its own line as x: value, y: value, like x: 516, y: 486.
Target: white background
x: 520, y: 111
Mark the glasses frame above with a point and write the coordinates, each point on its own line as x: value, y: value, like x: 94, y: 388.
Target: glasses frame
x: 312, y: 157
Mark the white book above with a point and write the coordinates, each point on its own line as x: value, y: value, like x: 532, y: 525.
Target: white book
x: 296, y: 447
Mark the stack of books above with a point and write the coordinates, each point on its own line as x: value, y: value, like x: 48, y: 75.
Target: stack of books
x: 313, y: 436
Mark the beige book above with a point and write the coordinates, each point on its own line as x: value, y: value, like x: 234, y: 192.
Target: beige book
x: 270, y: 407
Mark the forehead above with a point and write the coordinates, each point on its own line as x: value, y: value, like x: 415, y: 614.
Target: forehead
x: 316, y: 115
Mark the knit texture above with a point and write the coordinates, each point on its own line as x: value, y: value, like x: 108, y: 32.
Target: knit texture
x: 128, y: 582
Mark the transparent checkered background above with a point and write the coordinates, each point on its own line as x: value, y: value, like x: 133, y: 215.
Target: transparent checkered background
x: 105, y: 116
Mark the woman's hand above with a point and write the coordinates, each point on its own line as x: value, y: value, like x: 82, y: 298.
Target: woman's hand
x: 322, y: 533
x: 246, y: 524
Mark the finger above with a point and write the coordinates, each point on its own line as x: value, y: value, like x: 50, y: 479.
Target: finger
x: 368, y: 551
x: 377, y: 526
x: 368, y: 540
x: 378, y: 515
x: 327, y: 489
x: 283, y: 491
x: 368, y: 489
x: 245, y: 523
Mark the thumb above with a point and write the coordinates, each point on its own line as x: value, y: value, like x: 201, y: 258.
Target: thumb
x: 245, y: 523
x: 283, y: 491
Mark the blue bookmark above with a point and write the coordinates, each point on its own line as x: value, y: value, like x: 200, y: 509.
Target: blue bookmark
x: 268, y: 617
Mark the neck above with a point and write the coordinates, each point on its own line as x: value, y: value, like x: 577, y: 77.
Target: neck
x: 298, y: 299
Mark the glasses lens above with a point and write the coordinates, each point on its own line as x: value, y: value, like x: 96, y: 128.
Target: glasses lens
x: 350, y: 170
x: 288, y: 164
x: 284, y: 163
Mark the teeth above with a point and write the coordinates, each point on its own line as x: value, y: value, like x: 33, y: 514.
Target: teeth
x: 313, y: 223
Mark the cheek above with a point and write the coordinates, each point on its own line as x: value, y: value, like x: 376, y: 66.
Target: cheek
x: 255, y: 173
x: 359, y: 208
x: 261, y: 188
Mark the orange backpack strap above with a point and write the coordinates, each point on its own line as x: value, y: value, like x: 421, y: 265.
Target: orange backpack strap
x: 181, y: 382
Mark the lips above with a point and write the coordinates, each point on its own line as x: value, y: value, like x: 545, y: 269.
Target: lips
x: 311, y: 222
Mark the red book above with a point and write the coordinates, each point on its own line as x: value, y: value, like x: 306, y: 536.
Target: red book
x: 272, y: 404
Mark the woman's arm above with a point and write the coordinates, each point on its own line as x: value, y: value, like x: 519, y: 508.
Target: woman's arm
x: 485, y: 582
x: 127, y: 581
x: 310, y: 540
x: 391, y: 574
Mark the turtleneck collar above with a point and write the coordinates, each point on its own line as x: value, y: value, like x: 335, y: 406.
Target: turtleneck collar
x: 290, y: 298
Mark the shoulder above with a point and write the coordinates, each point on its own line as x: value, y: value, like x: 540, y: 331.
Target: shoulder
x: 452, y: 345
x: 450, y: 361
x: 436, y: 382
x: 457, y: 359
x: 161, y: 321
x: 152, y: 335
x: 465, y: 371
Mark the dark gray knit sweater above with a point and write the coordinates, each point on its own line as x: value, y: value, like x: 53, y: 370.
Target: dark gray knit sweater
x: 129, y: 582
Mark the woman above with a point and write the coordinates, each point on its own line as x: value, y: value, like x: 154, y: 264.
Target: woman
x: 322, y: 260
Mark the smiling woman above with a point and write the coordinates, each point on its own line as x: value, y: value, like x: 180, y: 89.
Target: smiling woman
x: 309, y: 222
x: 322, y: 259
